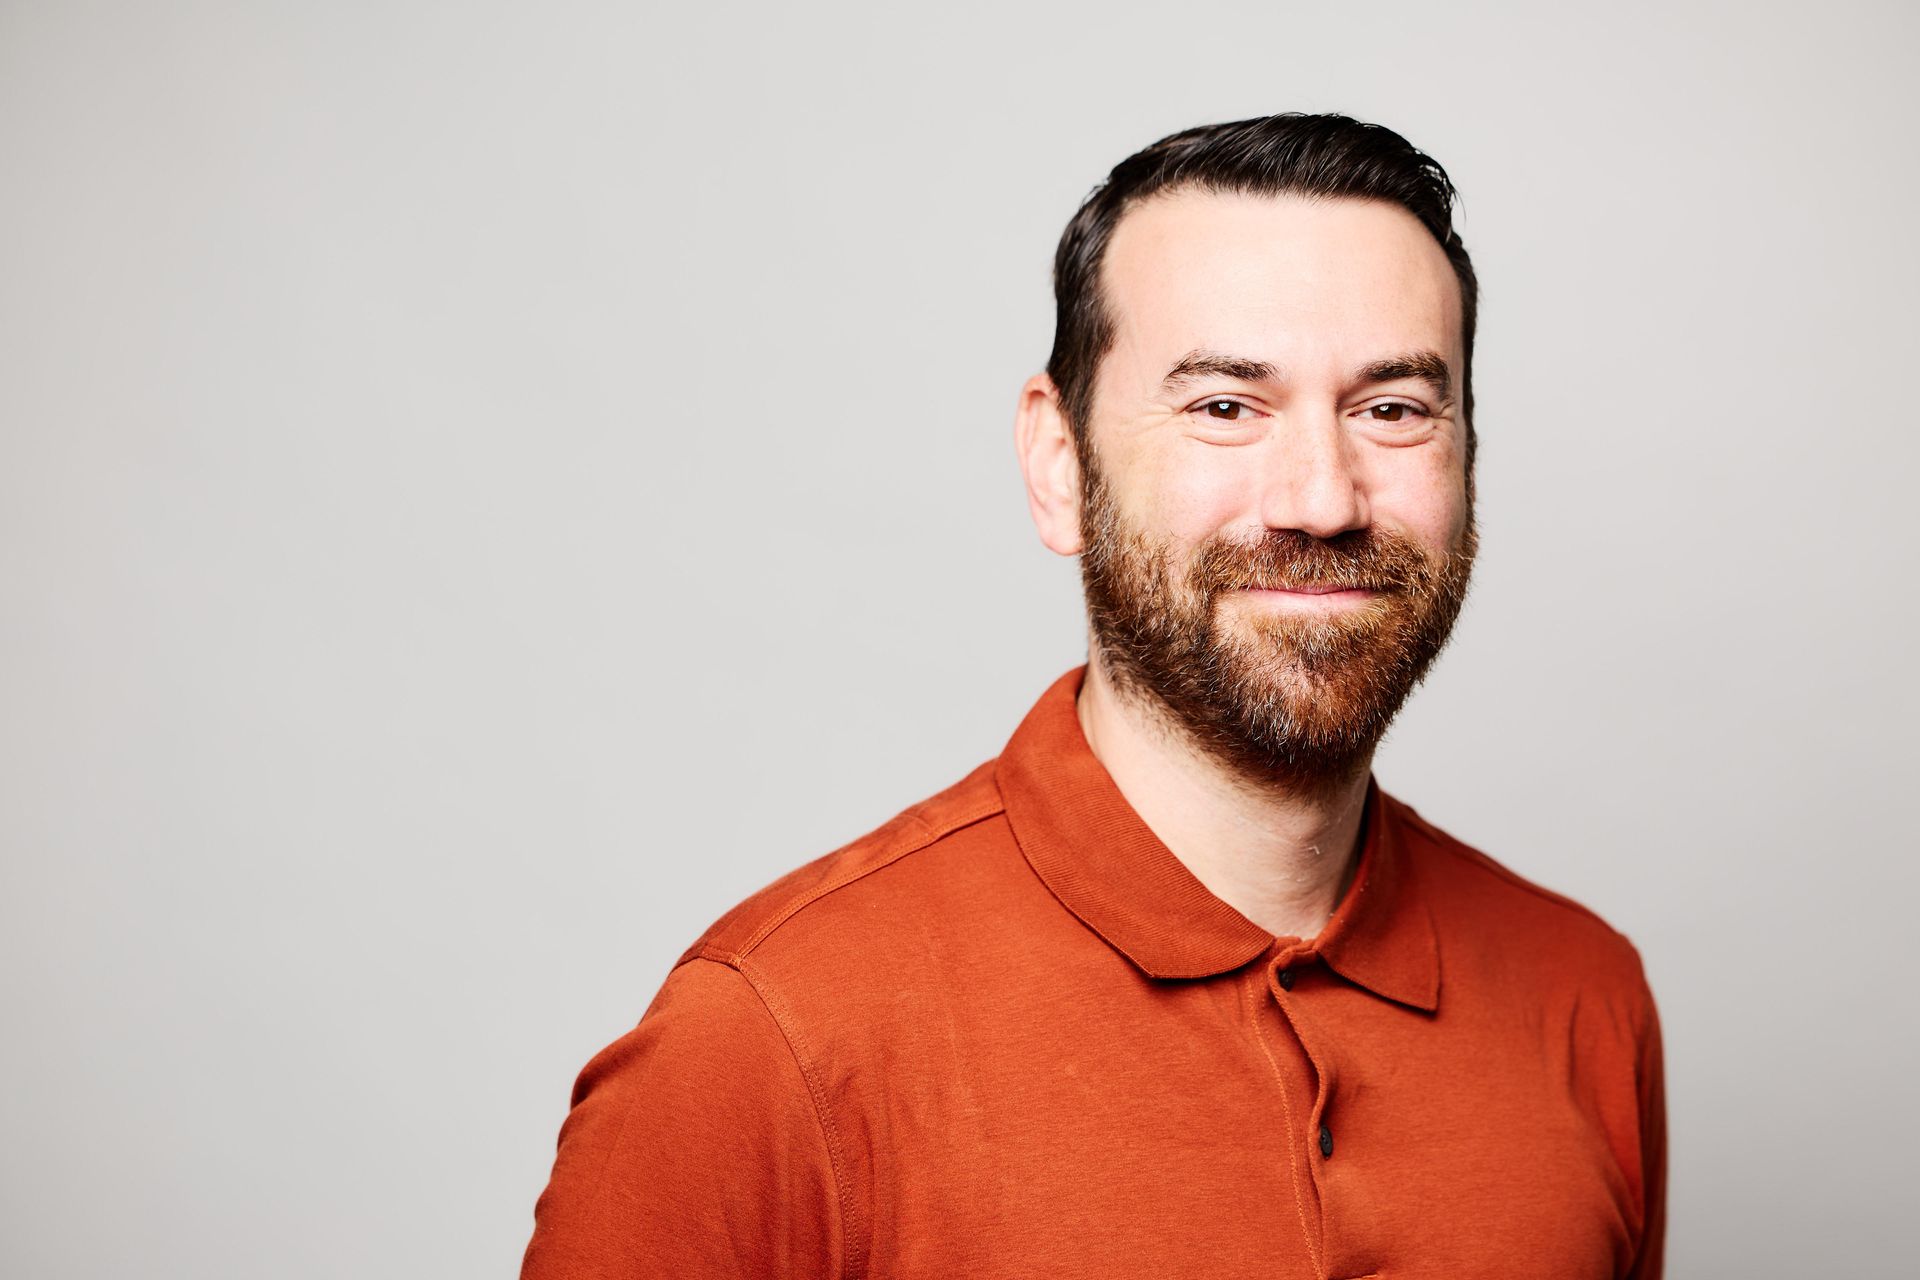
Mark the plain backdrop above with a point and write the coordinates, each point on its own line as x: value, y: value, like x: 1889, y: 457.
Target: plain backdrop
x: 483, y: 488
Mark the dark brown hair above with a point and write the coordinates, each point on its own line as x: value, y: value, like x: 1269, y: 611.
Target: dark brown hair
x: 1316, y: 156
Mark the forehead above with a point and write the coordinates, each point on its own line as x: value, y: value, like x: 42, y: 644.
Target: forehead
x: 1312, y: 285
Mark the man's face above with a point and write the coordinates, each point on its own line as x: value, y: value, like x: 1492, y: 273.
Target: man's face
x: 1277, y: 418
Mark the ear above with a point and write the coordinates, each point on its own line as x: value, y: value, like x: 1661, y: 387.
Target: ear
x: 1050, y: 465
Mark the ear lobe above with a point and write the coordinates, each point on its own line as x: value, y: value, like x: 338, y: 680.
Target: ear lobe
x: 1050, y: 465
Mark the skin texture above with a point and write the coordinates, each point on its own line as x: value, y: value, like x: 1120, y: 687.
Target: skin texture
x: 1238, y: 719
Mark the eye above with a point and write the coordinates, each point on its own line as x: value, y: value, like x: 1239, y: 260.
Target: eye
x: 1224, y: 410
x: 1393, y: 412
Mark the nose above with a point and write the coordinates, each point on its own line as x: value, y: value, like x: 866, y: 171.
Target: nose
x: 1313, y: 482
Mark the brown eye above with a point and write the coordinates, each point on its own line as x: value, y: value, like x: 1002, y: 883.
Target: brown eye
x: 1389, y: 412
x: 1225, y: 410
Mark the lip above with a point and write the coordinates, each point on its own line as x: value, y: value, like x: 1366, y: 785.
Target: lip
x: 1312, y: 597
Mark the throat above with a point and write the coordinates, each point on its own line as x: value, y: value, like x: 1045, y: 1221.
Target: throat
x: 1282, y: 858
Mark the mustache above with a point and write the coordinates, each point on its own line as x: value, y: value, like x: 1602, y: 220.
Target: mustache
x: 1367, y: 559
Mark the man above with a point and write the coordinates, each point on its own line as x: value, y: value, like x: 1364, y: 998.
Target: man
x: 1172, y: 987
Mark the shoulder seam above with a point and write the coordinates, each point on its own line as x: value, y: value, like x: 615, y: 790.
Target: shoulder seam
x: 782, y: 1018
x: 1467, y: 853
x: 923, y: 835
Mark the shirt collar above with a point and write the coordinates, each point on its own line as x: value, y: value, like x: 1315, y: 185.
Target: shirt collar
x: 1101, y: 861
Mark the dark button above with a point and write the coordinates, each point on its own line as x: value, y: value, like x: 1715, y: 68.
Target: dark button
x: 1326, y: 1141
x: 1286, y: 979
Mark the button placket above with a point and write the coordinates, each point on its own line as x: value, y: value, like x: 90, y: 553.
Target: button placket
x: 1296, y: 1077
x: 1285, y: 968
x: 1284, y: 971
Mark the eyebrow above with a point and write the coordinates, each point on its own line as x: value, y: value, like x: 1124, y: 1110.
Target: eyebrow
x: 1425, y: 366
x: 1196, y: 365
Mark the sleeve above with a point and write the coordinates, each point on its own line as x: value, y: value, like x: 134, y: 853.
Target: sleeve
x: 693, y: 1148
x: 1650, y: 1080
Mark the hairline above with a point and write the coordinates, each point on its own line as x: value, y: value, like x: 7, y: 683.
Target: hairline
x: 1106, y: 330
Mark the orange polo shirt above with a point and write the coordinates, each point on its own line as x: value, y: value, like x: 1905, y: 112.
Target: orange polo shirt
x: 1010, y: 1034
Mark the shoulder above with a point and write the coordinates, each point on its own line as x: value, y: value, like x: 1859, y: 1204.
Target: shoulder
x: 1481, y: 905
x: 826, y: 886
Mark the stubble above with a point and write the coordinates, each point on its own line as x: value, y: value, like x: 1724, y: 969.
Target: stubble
x: 1290, y: 700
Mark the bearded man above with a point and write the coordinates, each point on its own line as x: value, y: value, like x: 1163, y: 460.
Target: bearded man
x: 1172, y: 987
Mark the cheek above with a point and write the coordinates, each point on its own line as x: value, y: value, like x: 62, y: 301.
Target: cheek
x: 1428, y: 501
x: 1206, y: 494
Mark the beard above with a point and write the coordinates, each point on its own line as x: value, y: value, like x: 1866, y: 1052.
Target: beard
x: 1294, y: 700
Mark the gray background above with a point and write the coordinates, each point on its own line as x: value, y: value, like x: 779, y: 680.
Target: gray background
x: 484, y: 488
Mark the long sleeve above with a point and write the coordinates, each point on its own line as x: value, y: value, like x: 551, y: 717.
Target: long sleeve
x: 693, y: 1148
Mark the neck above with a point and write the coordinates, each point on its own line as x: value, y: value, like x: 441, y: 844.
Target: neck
x: 1280, y: 858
